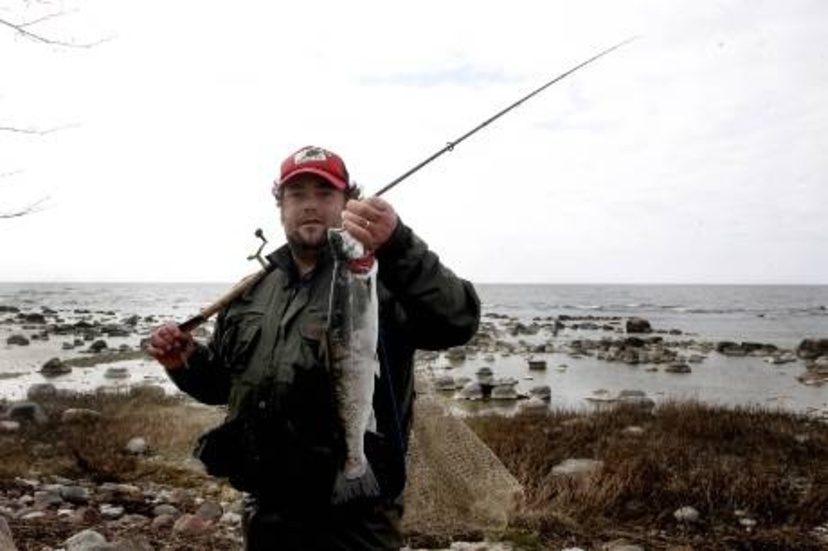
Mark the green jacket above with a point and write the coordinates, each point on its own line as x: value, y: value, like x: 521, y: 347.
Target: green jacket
x: 281, y: 398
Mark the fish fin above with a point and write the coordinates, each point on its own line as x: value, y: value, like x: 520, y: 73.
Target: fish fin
x: 348, y: 489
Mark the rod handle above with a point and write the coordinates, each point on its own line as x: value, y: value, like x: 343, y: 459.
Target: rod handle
x: 209, y: 311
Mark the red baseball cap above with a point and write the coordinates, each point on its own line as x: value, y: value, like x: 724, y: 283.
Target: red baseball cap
x: 314, y: 160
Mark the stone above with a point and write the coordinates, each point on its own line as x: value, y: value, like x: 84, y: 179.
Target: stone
x: 504, y: 392
x: 810, y: 349
x: 116, y: 373
x: 84, y: 540
x: 79, y: 415
x: 9, y: 426
x: 98, y: 346
x: 137, y: 446
x: 39, y: 391
x: 638, y: 325
x: 544, y: 392
x: 54, y: 367
x: 210, y: 510
x: 574, y: 467
x: 26, y: 411
x: 686, y: 514
x: 18, y: 340
x: 191, y: 524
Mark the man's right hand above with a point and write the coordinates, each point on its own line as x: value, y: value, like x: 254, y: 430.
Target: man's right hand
x: 171, y: 346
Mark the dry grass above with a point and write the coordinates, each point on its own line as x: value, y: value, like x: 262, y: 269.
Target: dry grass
x: 772, y: 465
x: 95, y: 448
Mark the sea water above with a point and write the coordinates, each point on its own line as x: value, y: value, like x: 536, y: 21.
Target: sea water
x: 781, y: 315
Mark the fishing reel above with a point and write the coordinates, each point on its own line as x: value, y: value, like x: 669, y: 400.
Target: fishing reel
x: 258, y: 254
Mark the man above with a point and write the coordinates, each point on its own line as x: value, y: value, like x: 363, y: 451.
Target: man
x: 281, y: 441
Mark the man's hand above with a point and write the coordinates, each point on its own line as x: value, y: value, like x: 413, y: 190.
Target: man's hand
x: 171, y: 346
x: 371, y: 221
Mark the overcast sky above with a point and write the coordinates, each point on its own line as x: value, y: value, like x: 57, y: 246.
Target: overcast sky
x: 697, y: 153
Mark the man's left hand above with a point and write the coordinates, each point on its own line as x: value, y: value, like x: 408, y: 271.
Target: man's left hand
x: 371, y: 221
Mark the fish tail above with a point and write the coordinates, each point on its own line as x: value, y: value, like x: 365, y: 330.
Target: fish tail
x: 348, y: 489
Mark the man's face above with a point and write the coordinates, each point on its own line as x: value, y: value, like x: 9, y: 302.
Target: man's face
x: 310, y: 205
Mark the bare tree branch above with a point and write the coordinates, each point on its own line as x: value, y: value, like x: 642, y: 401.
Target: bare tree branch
x: 29, y: 209
x: 20, y: 28
x: 36, y: 131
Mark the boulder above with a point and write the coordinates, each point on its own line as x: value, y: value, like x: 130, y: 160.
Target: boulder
x: 638, y: 325
x: 55, y: 367
x: 38, y: 391
x: 26, y: 411
x: 810, y: 349
x: 18, y: 340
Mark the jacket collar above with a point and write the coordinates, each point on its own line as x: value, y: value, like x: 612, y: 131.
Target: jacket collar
x: 282, y: 259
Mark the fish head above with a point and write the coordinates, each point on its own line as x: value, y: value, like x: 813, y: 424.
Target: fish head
x: 344, y: 246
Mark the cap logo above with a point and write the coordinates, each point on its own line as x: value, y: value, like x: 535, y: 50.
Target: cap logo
x: 309, y: 155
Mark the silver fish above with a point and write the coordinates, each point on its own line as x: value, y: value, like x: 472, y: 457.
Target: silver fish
x: 353, y: 331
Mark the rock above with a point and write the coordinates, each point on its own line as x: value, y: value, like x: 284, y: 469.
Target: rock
x: 640, y: 401
x: 191, y: 524
x: 116, y: 373
x: 148, y: 391
x: 472, y: 391
x: 79, y: 415
x: 574, y: 467
x: 678, y: 367
x: 210, y: 510
x: 166, y: 509
x: 38, y: 391
x: 820, y: 364
x: 810, y: 349
x: 163, y: 522
x: 536, y: 365
x: 26, y: 411
x: 9, y: 426
x: 111, y: 512
x: 85, y: 540
x: 544, y: 392
x: 534, y: 405
x: 136, y: 446
x: 98, y: 346
x: 18, y: 340
x: 484, y: 375
x: 32, y: 317
x: 55, y: 367
x: 504, y: 392
x: 686, y: 514
x: 445, y: 382
x: 729, y: 348
x: 77, y: 495
x: 638, y: 325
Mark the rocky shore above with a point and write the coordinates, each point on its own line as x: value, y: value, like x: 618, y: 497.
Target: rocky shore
x: 67, y: 497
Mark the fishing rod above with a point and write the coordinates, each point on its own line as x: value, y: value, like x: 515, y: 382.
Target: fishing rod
x: 240, y: 287
x: 452, y: 144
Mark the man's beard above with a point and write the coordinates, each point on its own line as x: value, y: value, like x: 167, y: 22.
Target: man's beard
x: 302, y: 246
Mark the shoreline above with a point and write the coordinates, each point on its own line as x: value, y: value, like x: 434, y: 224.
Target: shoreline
x: 588, y: 359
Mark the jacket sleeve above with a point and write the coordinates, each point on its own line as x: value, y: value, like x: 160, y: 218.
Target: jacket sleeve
x: 441, y: 310
x: 204, y: 377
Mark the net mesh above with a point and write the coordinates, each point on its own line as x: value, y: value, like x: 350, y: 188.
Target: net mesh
x: 456, y: 484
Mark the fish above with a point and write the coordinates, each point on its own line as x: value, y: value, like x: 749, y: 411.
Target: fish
x: 352, y: 337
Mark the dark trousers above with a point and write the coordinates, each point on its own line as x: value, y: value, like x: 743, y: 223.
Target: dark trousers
x: 364, y: 526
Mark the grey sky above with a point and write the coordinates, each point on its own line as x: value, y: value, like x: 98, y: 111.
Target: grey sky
x: 695, y: 154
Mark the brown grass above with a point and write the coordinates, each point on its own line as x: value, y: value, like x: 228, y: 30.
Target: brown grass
x: 95, y: 448
x: 772, y: 465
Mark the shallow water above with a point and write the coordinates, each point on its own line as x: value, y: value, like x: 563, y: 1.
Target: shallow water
x: 780, y: 315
